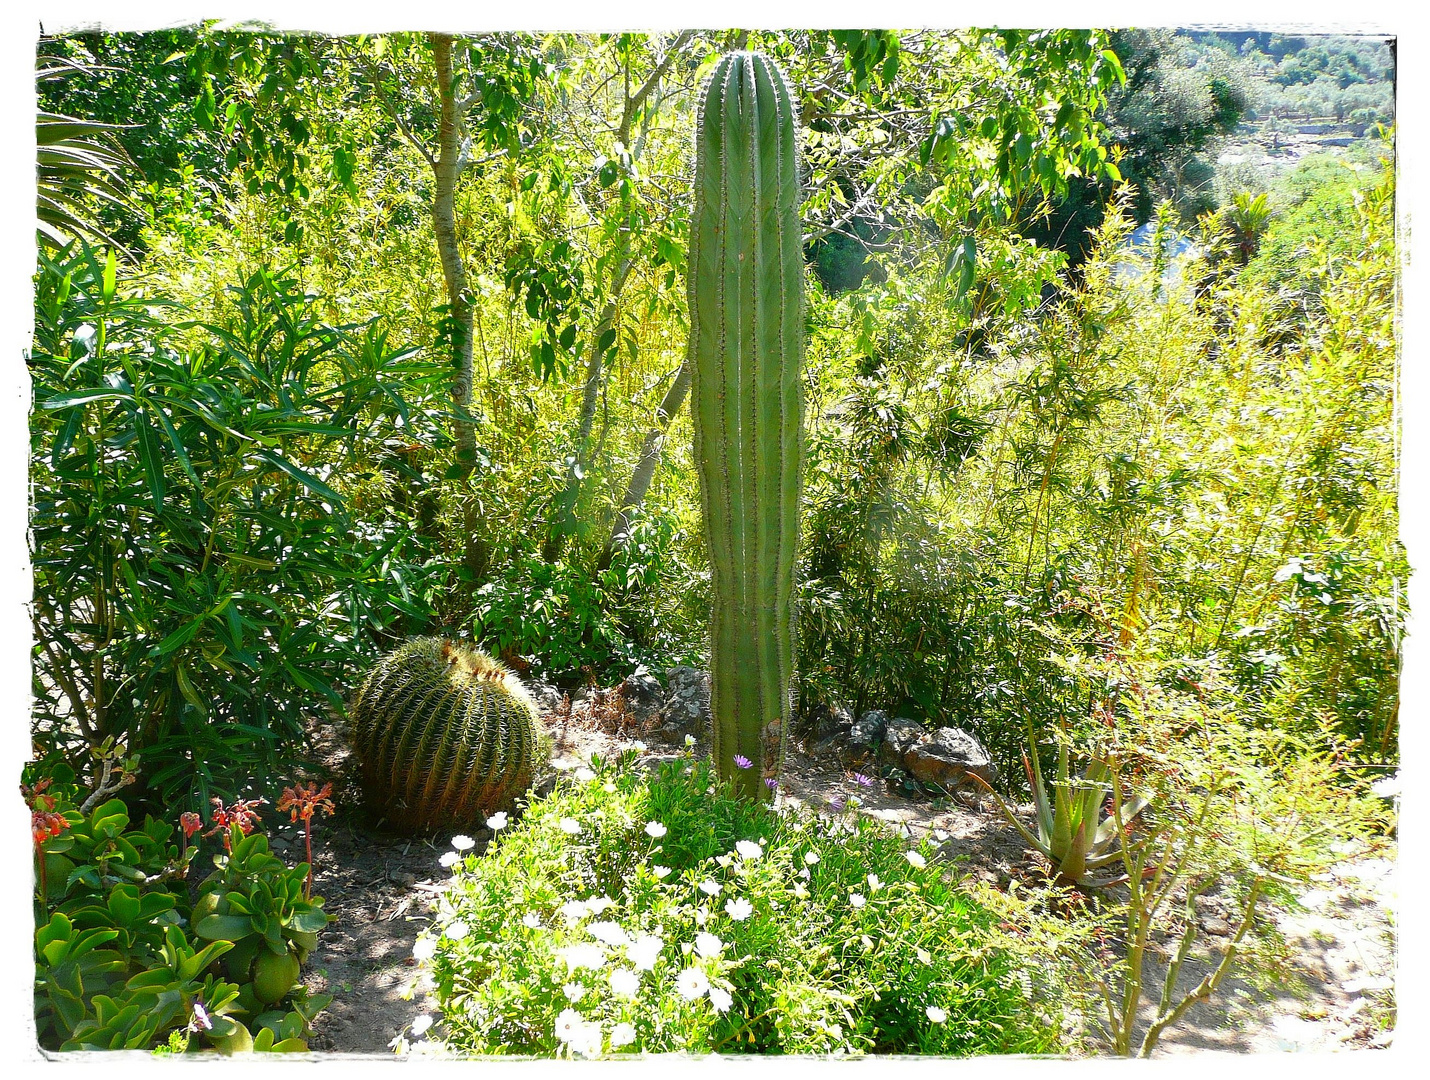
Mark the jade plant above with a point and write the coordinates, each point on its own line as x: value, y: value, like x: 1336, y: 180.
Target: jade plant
x: 746, y: 282
x: 445, y: 735
x: 122, y: 961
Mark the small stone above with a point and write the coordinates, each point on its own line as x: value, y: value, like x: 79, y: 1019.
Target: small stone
x: 403, y: 878
x: 1216, y: 926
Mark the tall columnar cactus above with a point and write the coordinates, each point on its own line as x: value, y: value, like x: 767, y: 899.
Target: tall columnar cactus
x: 444, y: 733
x: 746, y: 348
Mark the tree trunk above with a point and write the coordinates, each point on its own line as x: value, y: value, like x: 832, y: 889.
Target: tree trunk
x: 563, y: 516
x: 563, y: 512
x: 645, y: 467
x: 444, y: 225
x: 447, y: 168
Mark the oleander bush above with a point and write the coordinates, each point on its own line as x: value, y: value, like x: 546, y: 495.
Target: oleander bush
x: 632, y: 912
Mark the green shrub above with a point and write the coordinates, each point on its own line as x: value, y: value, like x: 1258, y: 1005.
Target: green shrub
x: 200, y: 587
x: 603, y: 906
x: 556, y: 617
x: 123, y: 962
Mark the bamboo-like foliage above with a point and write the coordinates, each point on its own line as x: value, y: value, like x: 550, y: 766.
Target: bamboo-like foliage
x: 445, y: 735
x: 746, y: 347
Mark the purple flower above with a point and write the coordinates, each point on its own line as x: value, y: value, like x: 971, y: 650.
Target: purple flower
x: 864, y: 781
x: 772, y: 783
x: 837, y: 802
x: 201, y: 1018
x: 742, y: 762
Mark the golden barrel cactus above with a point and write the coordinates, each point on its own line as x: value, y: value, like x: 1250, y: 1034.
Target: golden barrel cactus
x: 445, y: 735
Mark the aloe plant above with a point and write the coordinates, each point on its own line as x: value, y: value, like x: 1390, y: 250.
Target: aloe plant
x: 746, y: 283
x: 1072, y: 835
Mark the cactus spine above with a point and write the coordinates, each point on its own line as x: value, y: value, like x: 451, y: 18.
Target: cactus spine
x: 444, y: 733
x: 746, y: 348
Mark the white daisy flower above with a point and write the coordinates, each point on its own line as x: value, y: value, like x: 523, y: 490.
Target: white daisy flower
x: 854, y: 800
x: 625, y: 982
x: 586, y: 1039
x: 739, y: 909
x: 463, y: 843
x: 582, y: 956
x: 811, y: 858
x: 748, y: 849
x: 800, y: 891
x: 497, y: 822
x: 690, y: 740
x: 804, y: 872
x: 425, y: 949
x: 940, y: 835
x: 654, y: 829
x: 570, y: 826
x: 710, y: 888
x: 531, y: 919
x: 584, y: 774
x: 598, y: 904
x: 574, y: 992
x: 923, y: 955
x: 644, y: 952
x: 856, y: 900
x: 915, y: 859
x: 608, y: 932
x: 449, y: 859
x: 638, y: 746
x: 660, y: 872
x: 609, y: 788
x: 622, y: 1035
x: 421, y: 1024
x: 708, y: 945
x: 723, y: 860
x: 457, y: 930
x: 719, y: 998
x: 567, y: 1024
x: 874, y: 883
x: 691, y: 983
x: 702, y: 915
x: 937, y: 1015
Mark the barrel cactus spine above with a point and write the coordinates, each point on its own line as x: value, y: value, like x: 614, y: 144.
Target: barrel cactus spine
x: 746, y: 282
x: 444, y: 734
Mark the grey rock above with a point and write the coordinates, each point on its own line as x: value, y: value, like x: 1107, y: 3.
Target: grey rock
x: 825, y: 722
x: 947, y: 757
x: 546, y: 696
x: 900, y: 735
x: 1216, y: 926
x: 868, y: 729
x: 403, y: 878
x: 682, y: 709
x: 641, y: 689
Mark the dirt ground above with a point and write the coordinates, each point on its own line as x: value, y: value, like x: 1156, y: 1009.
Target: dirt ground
x: 382, y: 890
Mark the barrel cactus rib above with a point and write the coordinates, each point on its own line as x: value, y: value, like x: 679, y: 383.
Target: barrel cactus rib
x: 746, y: 348
x: 445, y: 735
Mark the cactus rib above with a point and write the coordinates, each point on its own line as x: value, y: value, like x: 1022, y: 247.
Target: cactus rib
x: 746, y: 292
x: 444, y: 734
